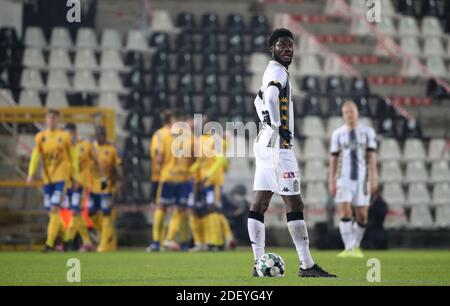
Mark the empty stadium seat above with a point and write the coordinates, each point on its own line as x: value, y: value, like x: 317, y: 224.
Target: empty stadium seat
x: 407, y: 7
x: 389, y: 149
x: 418, y: 195
x: 411, y: 68
x: 111, y: 60
x: 30, y: 98
x: 387, y: 127
x: 393, y: 194
x: 311, y: 106
x: 235, y: 64
x: 210, y: 64
x: 84, y: 81
x: 110, y: 81
x: 258, y: 63
x: 440, y: 171
x: 34, y: 58
x: 333, y: 124
x: 315, y: 171
x: 210, y: 22
x: 386, y: 26
x: 360, y: 27
x: 211, y: 84
x: 259, y: 24
x: 408, y: 26
x: 309, y: 65
x: 56, y: 99
x: 396, y: 217
x: 312, y: 127
x: 34, y: 38
x: 60, y: 38
x: 86, y: 39
x: 31, y: 79
x: 186, y: 83
x: 160, y: 40
x: 111, y: 40
x: 438, y: 150
x: 111, y: 100
x: 161, y: 21
x: 421, y: 218
x: 186, y: 21
x: 441, y: 194
x: 416, y: 172
x: 411, y: 45
x: 311, y: 85
x: 235, y: 23
x: 436, y: 66
x: 414, y: 150
x: 235, y: 43
x: 160, y: 62
x: 431, y: 26
x: 85, y: 59
x: 210, y: 43
x: 433, y: 47
x: 308, y: 45
x: 136, y: 40
x: 58, y: 80
x: 316, y: 194
x: 59, y: 58
x: 442, y: 216
x: 390, y: 172
x: 314, y: 148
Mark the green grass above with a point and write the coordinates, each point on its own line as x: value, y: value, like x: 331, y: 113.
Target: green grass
x: 406, y: 267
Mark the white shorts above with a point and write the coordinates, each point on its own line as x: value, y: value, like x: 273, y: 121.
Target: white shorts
x: 276, y: 170
x: 354, y: 192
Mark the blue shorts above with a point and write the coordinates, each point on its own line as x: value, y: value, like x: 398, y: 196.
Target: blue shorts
x: 207, y: 197
x: 53, y: 194
x: 154, y: 190
x: 173, y: 193
x: 99, y: 201
x: 73, y: 199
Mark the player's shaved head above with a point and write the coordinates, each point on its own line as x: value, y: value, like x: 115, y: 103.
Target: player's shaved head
x: 350, y: 113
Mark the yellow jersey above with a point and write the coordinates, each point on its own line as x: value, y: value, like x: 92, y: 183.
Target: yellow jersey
x: 55, y: 150
x: 212, y: 163
x: 85, y: 155
x: 177, y: 152
x: 108, y: 160
x: 155, y: 146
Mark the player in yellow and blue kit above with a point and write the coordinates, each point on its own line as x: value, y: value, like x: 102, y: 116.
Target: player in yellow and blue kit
x: 104, y: 177
x: 53, y: 147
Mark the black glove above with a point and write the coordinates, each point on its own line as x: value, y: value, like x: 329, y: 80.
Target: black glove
x: 104, y: 184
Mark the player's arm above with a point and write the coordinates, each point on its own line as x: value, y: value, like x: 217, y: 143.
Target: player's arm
x: 33, y: 165
x: 273, y: 85
x: 334, y: 154
x: 101, y: 171
x: 372, y: 161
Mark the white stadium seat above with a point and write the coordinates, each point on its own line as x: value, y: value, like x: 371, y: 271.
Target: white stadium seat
x: 308, y: 45
x: 441, y: 194
x: 416, y: 172
x: 309, y: 65
x: 386, y: 26
x: 33, y: 58
x: 414, y: 150
x: 333, y: 124
x: 111, y: 40
x: 111, y: 100
x: 112, y: 60
x: 360, y: 27
x: 30, y: 98
x: 431, y: 26
x: 396, y: 217
x: 136, y: 41
x: 393, y: 194
x: 440, y: 171
x: 411, y: 45
x: 408, y: 26
x: 390, y: 172
x: 31, y: 79
x: 162, y: 21
x: 389, y: 149
x: 420, y: 218
x: 56, y: 99
x: 438, y: 150
x: 59, y: 58
x: 314, y: 148
x: 418, y: 195
x: 411, y: 68
x: 84, y: 81
x: 110, y: 81
x: 433, y: 47
x: 315, y: 171
x: 60, y: 38
x: 312, y: 127
x: 442, y: 216
x: 258, y: 63
x: 436, y: 66
x: 86, y: 39
x: 58, y: 80
x: 316, y: 195
x: 34, y: 38
x: 85, y: 59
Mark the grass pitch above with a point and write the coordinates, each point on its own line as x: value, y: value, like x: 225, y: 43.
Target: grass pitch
x: 405, y: 267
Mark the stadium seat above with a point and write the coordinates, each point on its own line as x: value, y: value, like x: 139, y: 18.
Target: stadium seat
x: 433, y: 47
x: 308, y: 45
x: 160, y: 40
x: 210, y: 43
x: 34, y: 38
x: 210, y: 64
x: 210, y: 22
x: 136, y: 40
x: 311, y: 85
x: 335, y: 86
x: 59, y: 58
x: 112, y: 60
x: 389, y: 150
x: 258, y: 63
x: 411, y: 45
x: 366, y: 121
x: 186, y: 83
x: 429, y: 8
x: 236, y: 84
x: 86, y: 39
x: 360, y: 27
x: 311, y: 106
x: 315, y: 171
x: 440, y: 171
x: 414, y: 150
x: 31, y: 79
x: 85, y: 59
x: 333, y: 124
x: 363, y: 106
x: 314, y: 148
x: 111, y: 40
x: 185, y: 42
x: 411, y: 68
x: 408, y: 26
x: 309, y: 65
x: 160, y: 62
x: 161, y: 21
x: 396, y: 217
x: 441, y: 194
x: 416, y: 172
x: 186, y: 21
x: 316, y: 194
x: 185, y: 63
x: 236, y: 103
x: 359, y: 87
x: 438, y: 150
x: 312, y: 127
x: 431, y: 26
x: 60, y: 38
x: 33, y: 58
x: 58, y: 80
x: 136, y: 60
x: 211, y: 84
x: 235, y: 43
x: 235, y: 64
x: 56, y: 99
x: 442, y: 216
x: 30, y: 98
x: 436, y: 66
x: 159, y: 82
x: 297, y: 148
x: 390, y: 172
x: 81, y: 98
x: 259, y: 24
x: 84, y: 81
x: 386, y: 26
x: 235, y: 23
x: 111, y: 81
x: 393, y: 194
x: 418, y: 195
x: 407, y: 7
x: 421, y: 218
x: 111, y: 100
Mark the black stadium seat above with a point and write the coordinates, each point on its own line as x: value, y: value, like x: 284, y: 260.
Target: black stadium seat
x: 186, y: 83
x: 211, y: 105
x: 160, y: 62
x: 186, y: 21
x: 359, y: 88
x: 210, y: 43
x: 211, y: 84
x: 235, y: 63
x: 210, y: 63
x: 235, y: 23
x: 335, y: 86
x: 406, y: 7
x: 311, y: 106
x: 185, y: 102
x: 159, y: 82
x: 430, y: 8
x: 388, y: 128
x: 236, y: 84
x: 259, y: 43
x: 210, y: 22
x: 311, y: 85
x: 185, y: 62
x: 185, y: 42
x: 235, y: 43
x: 259, y: 24
x: 411, y: 129
x: 160, y: 41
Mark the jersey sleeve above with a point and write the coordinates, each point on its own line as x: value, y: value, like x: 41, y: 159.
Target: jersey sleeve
x: 371, y: 140
x: 275, y: 77
x: 334, y: 144
x: 35, y: 155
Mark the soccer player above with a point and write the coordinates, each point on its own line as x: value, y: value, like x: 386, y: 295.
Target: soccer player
x: 104, y: 178
x: 59, y: 164
x: 173, y: 189
x: 352, y: 176
x: 276, y: 166
x: 75, y: 197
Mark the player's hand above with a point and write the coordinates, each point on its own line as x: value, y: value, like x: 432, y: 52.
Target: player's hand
x: 30, y: 180
x: 332, y: 187
x: 104, y: 183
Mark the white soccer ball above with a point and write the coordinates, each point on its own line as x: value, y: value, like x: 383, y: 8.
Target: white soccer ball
x: 270, y: 265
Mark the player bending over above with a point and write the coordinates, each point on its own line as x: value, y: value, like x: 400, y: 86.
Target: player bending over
x: 276, y: 166
x: 352, y: 176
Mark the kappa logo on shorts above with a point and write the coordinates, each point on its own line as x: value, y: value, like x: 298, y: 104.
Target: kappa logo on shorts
x: 289, y: 175
x: 285, y: 189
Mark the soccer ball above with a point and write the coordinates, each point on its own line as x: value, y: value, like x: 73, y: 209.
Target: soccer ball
x: 270, y: 265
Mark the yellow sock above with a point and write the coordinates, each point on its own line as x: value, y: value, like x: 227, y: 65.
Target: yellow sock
x: 107, y: 232
x: 81, y: 228
x: 196, y: 224
x: 215, y: 229
x: 184, y: 230
x: 71, y: 230
x: 53, y: 228
x: 206, y: 229
x: 158, y: 224
x: 226, y: 229
x: 97, y: 222
x: 174, y: 225
x: 112, y: 246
